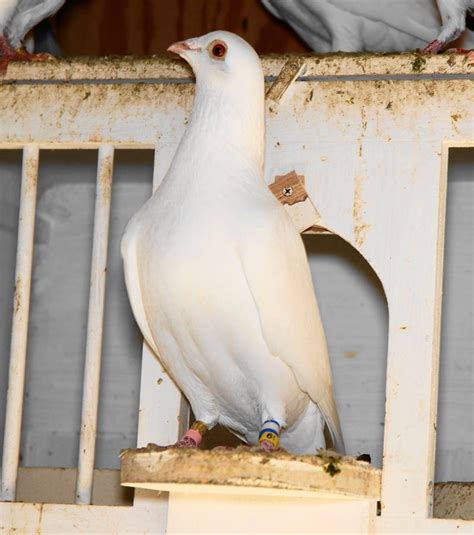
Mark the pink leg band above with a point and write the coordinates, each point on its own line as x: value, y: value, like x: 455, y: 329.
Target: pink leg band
x: 194, y: 435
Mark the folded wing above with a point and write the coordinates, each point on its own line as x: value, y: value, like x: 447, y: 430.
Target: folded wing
x: 279, y: 278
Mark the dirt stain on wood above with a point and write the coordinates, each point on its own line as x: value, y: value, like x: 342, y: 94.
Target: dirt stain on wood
x: 350, y: 354
x: 360, y: 228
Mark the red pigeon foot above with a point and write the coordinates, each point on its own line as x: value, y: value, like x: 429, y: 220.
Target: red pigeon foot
x: 193, y: 436
x: 469, y: 53
x: 266, y: 445
x: 437, y: 46
x: 8, y: 53
x: 434, y: 47
x: 186, y: 442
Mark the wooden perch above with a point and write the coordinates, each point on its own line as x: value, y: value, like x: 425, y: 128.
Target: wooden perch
x: 243, y: 470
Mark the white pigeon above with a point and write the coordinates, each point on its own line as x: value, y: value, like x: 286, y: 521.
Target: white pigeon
x: 217, y: 273
x: 365, y: 25
x: 17, y: 18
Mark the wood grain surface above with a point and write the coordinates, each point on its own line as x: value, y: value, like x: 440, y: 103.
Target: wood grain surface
x: 104, y: 27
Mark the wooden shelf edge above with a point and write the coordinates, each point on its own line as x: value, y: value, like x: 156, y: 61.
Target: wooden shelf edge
x: 246, y: 471
x: 165, y: 67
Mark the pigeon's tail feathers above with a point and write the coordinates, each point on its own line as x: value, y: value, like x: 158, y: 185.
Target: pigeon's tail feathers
x: 132, y: 281
x: 273, y: 10
x: 327, y: 405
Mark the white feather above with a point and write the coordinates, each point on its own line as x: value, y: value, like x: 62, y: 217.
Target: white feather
x: 7, y: 7
x: 453, y: 15
x: 369, y: 25
x: 217, y: 273
x: 18, y: 17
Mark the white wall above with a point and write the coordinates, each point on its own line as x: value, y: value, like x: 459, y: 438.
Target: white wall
x: 351, y: 299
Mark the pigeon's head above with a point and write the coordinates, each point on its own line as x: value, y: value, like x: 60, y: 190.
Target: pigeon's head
x: 220, y: 56
x: 228, y: 108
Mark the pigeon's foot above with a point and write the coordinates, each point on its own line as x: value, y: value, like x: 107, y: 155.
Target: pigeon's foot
x: 434, y: 47
x: 266, y: 445
x: 8, y: 53
x: 21, y: 54
x: 469, y: 53
x: 437, y: 46
x: 187, y: 442
x: 193, y: 436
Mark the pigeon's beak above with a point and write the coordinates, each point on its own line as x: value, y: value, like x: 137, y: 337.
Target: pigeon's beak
x: 181, y: 47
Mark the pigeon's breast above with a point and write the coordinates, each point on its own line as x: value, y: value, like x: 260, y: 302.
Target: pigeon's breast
x: 205, y: 322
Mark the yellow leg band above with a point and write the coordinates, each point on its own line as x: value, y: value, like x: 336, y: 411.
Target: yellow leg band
x: 200, y: 427
x: 273, y: 438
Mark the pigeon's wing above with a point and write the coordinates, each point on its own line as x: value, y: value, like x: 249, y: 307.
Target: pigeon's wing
x: 332, y: 25
x: 132, y: 281
x: 27, y: 15
x: 419, y: 18
x: 278, y: 275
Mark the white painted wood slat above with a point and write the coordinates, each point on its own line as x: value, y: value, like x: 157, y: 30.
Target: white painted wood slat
x: 90, y: 395
x: 21, y: 309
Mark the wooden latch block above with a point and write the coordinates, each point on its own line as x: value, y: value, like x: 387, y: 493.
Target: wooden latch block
x: 290, y: 71
x: 290, y: 190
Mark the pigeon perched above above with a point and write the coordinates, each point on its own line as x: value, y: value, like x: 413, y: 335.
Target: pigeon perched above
x: 217, y: 273
x: 17, y: 18
x: 365, y: 25
x: 456, y: 15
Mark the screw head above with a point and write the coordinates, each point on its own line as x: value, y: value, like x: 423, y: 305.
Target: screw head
x: 288, y: 191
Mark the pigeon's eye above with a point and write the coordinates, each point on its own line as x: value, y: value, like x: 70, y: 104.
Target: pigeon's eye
x: 218, y: 49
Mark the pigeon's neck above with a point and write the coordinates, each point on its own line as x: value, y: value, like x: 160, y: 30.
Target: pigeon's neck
x: 226, y: 129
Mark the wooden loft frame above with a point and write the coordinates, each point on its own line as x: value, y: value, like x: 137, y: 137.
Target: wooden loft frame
x: 393, y: 117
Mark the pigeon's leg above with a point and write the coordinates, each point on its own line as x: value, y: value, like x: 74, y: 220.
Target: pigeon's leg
x: 454, y: 23
x: 269, y: 435
x: 193, y: 436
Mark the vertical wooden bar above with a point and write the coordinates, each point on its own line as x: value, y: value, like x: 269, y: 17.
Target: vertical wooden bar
x: 19, y: 336
x: 413, y: 362
x: 90, y: 395
x: 436, y: 349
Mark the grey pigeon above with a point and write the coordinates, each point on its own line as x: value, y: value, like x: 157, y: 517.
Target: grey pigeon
x: 372, y: 25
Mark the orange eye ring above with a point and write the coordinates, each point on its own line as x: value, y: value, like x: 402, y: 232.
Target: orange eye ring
x: 217, y: 50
